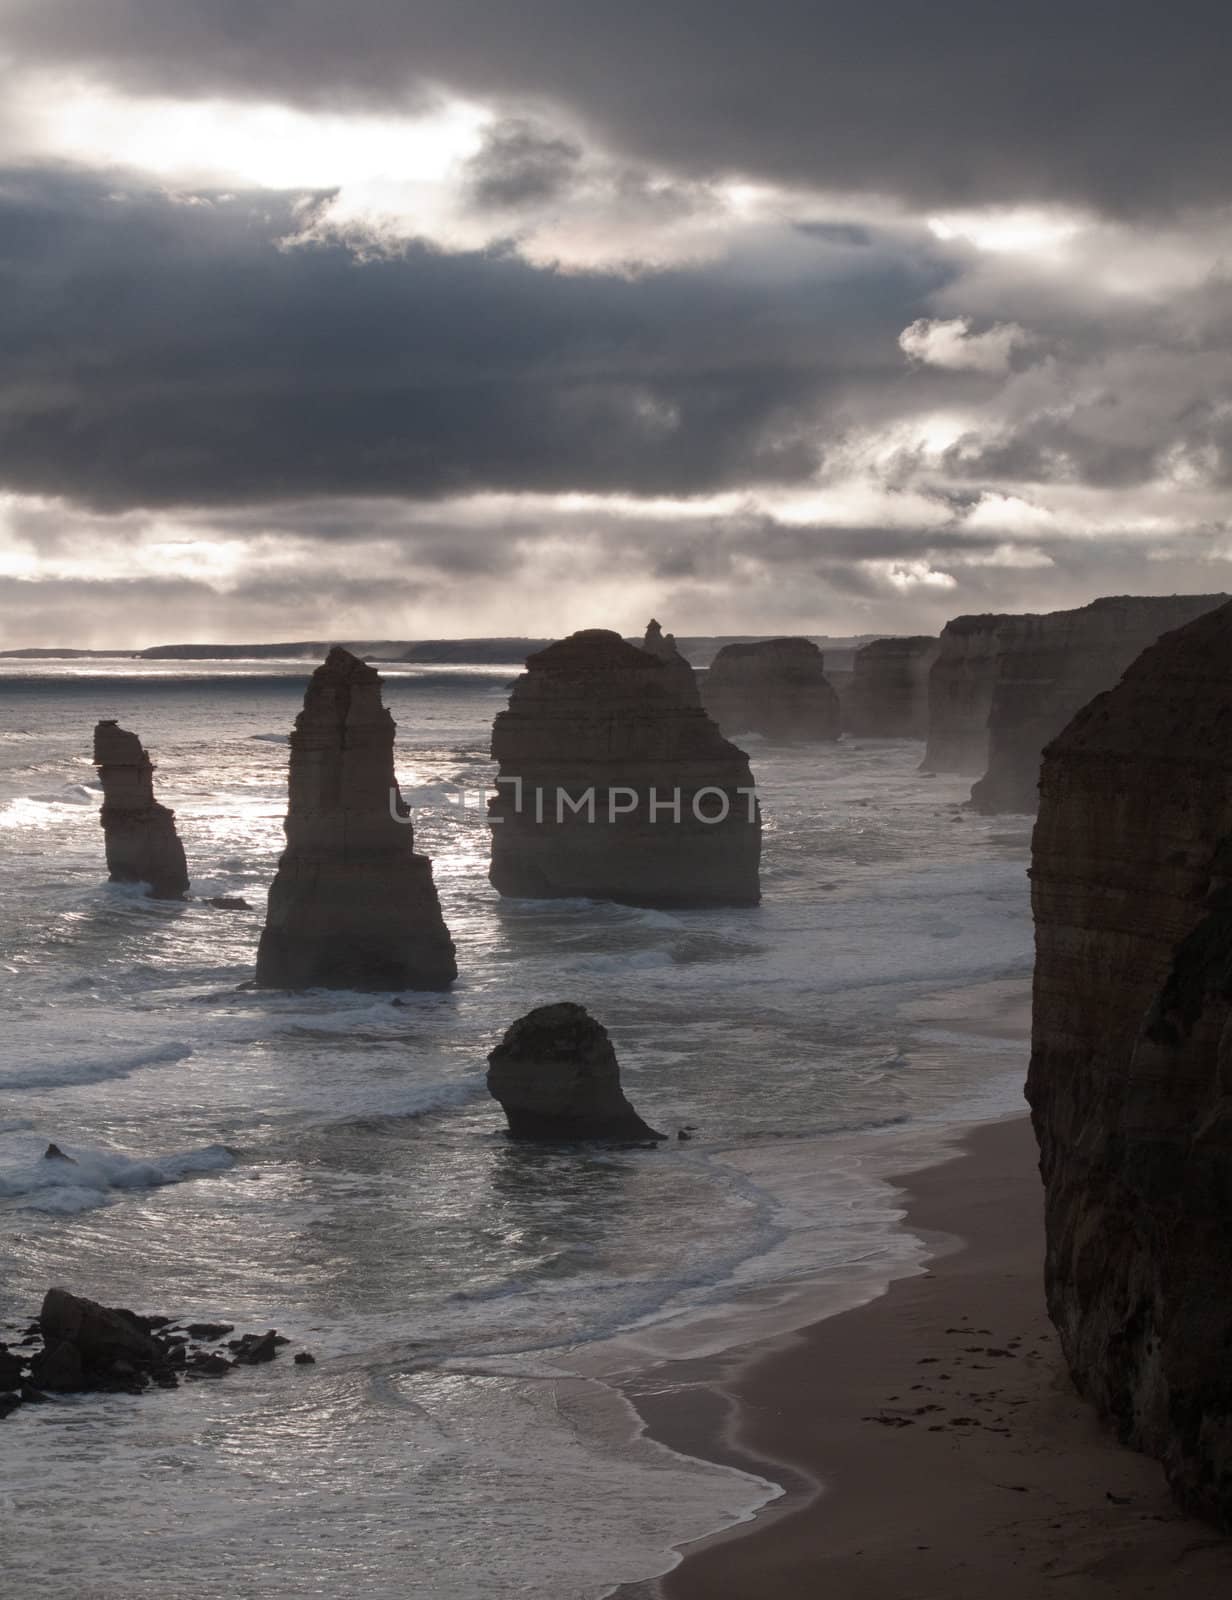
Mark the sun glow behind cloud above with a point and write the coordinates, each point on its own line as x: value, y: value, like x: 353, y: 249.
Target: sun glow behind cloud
x: 269, y: 145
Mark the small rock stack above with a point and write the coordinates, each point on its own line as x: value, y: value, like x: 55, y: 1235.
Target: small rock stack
x: 776, y: 688
x: 139, y: 834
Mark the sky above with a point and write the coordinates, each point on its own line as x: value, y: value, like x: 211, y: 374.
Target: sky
x: 423, y: 318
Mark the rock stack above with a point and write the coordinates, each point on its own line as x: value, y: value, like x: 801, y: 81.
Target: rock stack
x: 888, y: 694
x: 353, y: 906
x: 776, y: 688
x: 556, y: 1076
x: 663, y: 646
x: 1130, y: 1081
x: 1049, y: 666
x: 615, y: 785
x: 139, y: 834
x: 960, y: 685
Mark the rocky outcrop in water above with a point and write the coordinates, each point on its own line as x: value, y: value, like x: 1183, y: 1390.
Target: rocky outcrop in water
x: 1049, y: 666
x: 887, y: 697
x: 556, y: 1076
x: 616, y: 786
x: 663, y: 646
x: 139, y: 834
x: 1130, y: 1081
x: 353, y: 906
x: 76, y: 1346
x: 776, y: 688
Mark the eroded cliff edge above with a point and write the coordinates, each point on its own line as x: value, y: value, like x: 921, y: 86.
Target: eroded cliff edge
x: 774, y: 687
x: 1130, y: 1083
x: 888, y: 694
x: 352, y: 906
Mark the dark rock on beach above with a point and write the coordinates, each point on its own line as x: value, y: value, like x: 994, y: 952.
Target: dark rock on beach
x: 556, y: 1076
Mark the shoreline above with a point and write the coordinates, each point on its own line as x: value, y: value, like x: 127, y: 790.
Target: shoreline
x: 928, y: 1442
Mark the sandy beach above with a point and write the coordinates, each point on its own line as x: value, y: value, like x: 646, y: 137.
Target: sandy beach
x: 929, y: 1442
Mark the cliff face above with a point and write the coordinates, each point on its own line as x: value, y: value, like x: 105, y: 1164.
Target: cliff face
x: 352, y: 906
x: 1049, y: 666
x: 960, y: 685
x: 139, y: 834
x: 776, y: 688
x: 614, y: 785
x: 1130, y: 1082
x: 888, y: 694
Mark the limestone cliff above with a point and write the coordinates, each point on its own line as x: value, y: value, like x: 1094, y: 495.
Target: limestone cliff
x: 960, y: 685
x: 139, y: 834
x: 353, y: 906
x: 613, y: 784
x: 776, y: 688
x: 1130, y: 1081
x: 663, y: 646
x: 556, y: 1076
x: 888, y: 694
x: 1049, y: 666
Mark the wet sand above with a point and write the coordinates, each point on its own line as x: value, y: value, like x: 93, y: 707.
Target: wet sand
x: 930, y: 1443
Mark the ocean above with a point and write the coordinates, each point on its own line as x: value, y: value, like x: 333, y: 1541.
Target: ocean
x: 331, y: 1165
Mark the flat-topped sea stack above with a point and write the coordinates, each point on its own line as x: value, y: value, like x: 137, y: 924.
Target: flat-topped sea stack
x: 1049, y: 667
x: 960, y: 686
x: 139, y: 834
x: 353, y: 906
x: 556, y: 1076
x: 1130, y: 1082
x: 776, y: 688
x: 887, y: 697
x: 663, y: 645
x: 614, y: 785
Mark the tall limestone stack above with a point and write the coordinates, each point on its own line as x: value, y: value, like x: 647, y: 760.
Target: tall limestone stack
x: 1051, y: 665
x: 888, y: 694
x: 1130, y: 1082
x: 353, y: 906
x: 775, y: 687
x: 663, y: 645
x: 960, y: 688
x: 139, y: 834
x: 615, y: 785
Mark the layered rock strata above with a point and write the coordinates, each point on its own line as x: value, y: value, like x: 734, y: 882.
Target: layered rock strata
x: 1130, y: 1082
x: 556, y: 1076
x: 352, y: 906
x: 1049, y: 666
x: 139, y: 834
x: 960, y: 687
x: 776, y: 688
x: 613, y: 784
x: 888, y: 694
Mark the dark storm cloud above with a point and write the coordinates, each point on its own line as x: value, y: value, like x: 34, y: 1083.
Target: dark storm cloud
x: 1121, y: 105
x: 164, y: 350
x: 519, y: 164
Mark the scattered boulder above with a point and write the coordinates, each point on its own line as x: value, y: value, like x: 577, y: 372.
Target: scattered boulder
x: 53, y: 1152
x: 139, y: 834
x: 888, y: 694
x: 352, y: 906
x: 1132, y: 1051
x: 776, y: 688
x: 614, y: 784
x: 228, y: 902
x: 556, y: 1076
